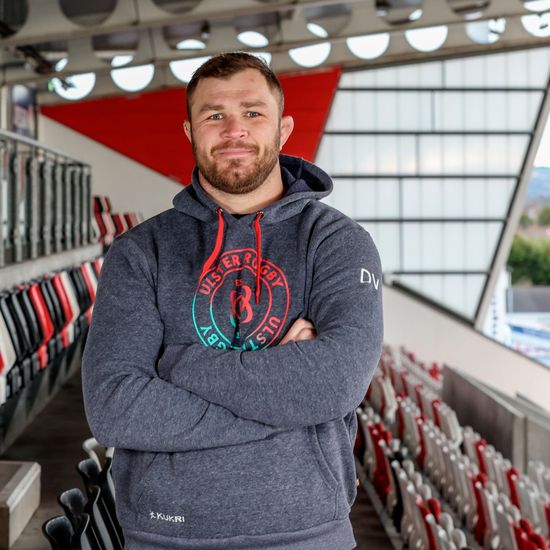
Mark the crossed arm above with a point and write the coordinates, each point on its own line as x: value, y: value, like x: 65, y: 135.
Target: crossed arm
x: 127, y: 405
x: 320, y: 370
x: 309, y: 381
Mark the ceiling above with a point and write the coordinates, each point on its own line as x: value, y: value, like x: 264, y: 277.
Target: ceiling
x: 90, y: 33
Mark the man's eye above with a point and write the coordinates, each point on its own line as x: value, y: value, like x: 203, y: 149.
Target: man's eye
x: 252, y: 114
x: 215, y: 116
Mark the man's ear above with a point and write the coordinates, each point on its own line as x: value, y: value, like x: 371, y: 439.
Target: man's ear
x: 187, y: 130
x: 287, y: 125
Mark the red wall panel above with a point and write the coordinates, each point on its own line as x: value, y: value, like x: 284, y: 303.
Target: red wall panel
x: 148, y: 127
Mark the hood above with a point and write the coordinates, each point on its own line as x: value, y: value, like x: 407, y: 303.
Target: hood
x: 303, y: 182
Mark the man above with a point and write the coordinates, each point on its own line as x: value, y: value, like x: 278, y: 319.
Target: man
x: 233, y: 337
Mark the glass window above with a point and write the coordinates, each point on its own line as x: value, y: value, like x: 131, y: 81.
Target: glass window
x: 474, y: 72
x: 364, y: 105
x: 385, y: 199
x: 475, y: 155
x: 386, y: 77
x: 343, y: 196
x: 408, y: 157
x: 411, y: 198
x: 342, y: 153
x: 538, y: 63
x: 453, y: 253
x: 496, y: 107
x: 431, y: 74
x: 387, y: 155
x: 431, y: 155
x: 475, y: 111
x: 454, y: 196
x: 341, y: 112
x: 386, y: 111
x: 412, y: 247
x: 388, y: 241
x: 517, y: 112
x: 324, y: 155
x: 432, y: 246
x: 450, y: 114
x: 365, y: 198
x: 365, y: 154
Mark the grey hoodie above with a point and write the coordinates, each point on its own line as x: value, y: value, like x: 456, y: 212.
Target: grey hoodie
x: 223, y: 438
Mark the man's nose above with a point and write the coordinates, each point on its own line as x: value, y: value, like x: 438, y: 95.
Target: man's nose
x: 234, y: 127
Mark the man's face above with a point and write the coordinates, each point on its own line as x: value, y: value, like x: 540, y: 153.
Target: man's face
x: 236, y: 131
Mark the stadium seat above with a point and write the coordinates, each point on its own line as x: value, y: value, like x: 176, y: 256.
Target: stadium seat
x: 75, y: 503
x: 92, y: 475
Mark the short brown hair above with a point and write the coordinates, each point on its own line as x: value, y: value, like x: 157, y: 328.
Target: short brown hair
x: 228, y: 64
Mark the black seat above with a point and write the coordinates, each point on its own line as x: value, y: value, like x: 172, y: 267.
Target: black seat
x: 14, y: 378
x: 84, y: 537
x: 55, y: 313
x: 59, y: 532
x: 22, y: 328
x: 91, y: 475
x: 33, y: 326
x: 75, y: 503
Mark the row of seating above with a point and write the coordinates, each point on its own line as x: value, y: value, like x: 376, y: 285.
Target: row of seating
x: 501, y: 506
x: 41, y: 320
x: 408, y: 500
x: 431, y: 375
x: 540, y: 474
x: 395, y: 378
x: 107, y: 224
x: 90, y: 521
x: 518, y: 491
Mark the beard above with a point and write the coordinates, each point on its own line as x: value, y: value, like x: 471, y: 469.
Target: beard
x: 238, y: 176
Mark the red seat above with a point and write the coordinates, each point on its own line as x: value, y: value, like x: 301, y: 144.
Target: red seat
x: 45, y: 321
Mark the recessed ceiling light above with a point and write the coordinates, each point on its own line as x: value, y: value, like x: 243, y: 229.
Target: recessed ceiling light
x: 369, y: 46
x: 80, y: 86
x: 183, y: 69
x: 265, y: 56
x: 190, y: 44
x: 253, y: 39
x: 121, y: 60
x: 537, y: 25
x: 61, y: 64
x: 317, y: 30
x: 310, y: 56
x: 427, y: 39
x: 537, y: 5
x: 133, y: 79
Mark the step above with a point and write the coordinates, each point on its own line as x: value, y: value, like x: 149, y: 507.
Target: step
x: 19, y: 498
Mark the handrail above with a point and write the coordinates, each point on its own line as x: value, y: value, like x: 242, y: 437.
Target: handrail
x: 38, y: 145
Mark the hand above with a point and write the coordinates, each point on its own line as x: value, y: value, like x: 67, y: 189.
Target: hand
x: 301, y: 329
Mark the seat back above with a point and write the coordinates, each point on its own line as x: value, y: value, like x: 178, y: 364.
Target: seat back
x: 59, y: 532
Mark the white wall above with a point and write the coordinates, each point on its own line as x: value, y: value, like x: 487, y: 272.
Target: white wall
x: 434, y: 336
x: 131, y: 186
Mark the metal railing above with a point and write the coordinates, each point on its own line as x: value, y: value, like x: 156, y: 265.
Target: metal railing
x: 45, y: 200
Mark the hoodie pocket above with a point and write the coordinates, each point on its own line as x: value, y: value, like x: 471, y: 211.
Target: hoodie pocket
x: 279, y: 484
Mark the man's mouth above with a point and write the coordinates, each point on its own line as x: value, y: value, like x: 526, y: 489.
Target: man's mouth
x: 233, y: 152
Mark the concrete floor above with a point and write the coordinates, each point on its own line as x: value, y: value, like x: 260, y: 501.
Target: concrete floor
x: 54, y: 440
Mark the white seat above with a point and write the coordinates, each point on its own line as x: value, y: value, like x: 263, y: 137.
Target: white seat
x: 506, y: 536
x: 459, y: 538
x: 419, y: 536
x: 488, y: 503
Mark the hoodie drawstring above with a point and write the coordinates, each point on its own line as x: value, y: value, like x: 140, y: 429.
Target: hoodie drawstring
x: 218, y: 246
x: 258, y: 231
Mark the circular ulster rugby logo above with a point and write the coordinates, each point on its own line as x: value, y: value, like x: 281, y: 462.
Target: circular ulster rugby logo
x: 225, y: 312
